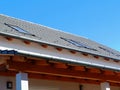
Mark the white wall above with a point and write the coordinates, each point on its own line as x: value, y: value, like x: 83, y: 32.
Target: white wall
x: 52, y: 85
x: 38, y: 84
x: 3, y: 81
x: 97, y: 87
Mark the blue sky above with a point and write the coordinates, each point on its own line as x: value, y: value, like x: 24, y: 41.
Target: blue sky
x: 98, y: 20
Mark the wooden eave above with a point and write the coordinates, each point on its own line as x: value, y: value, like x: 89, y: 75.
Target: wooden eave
x: 40, y: 68
x: 44, y: 68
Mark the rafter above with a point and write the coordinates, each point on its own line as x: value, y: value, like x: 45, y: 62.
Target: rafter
x: 44, y: 45
x: 9, y: 38
x: 108, y: 72
x: 94, y: 70
x: 27, y: 42
x: 73, y: 52
x: 26, y: 67
x: 79, y: 68
x: 59, y: 49
x: 60, y: 65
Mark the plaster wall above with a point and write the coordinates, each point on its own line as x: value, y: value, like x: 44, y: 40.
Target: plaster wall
x: 38, y: 84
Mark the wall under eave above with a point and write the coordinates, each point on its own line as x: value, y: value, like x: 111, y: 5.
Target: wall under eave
x: 38, y: 84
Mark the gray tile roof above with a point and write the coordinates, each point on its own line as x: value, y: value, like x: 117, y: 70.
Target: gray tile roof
x: 42, y: 34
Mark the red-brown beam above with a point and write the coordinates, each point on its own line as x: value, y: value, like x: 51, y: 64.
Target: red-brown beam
x: 21, y: 66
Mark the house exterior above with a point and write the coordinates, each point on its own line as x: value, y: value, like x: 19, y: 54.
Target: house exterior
x: 36, y: 57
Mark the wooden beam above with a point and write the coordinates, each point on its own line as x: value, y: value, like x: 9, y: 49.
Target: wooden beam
x: 96, y: 56
x: 108, y: 72
x: 60, y: 65
x: 94, y: 70
x: 73, y: 52
x: 85, y: 54
x: 107, y: 59
x: 21, y: 66
x: 42, y: 62
x: 79, y: 68
x: 68, y: 79
x: 59, y: 49
x: 18, y: 58
x: 117, y: 73
x: 44, y: 45
x: 50, y: 77
x: 9, y: 38
x: 58, y: 78
x: 57, y: 64
x: 116, y: 61
x: 27, y: 42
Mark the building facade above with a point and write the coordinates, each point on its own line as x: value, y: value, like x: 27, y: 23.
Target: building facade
x: 35, y: 57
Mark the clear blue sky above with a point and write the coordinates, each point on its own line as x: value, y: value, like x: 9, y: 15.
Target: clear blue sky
x: 98, y: 20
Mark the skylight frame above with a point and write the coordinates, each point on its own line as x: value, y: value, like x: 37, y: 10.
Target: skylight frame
x: 78, y: 44
x: 109, y: 51
x: 19, y: 29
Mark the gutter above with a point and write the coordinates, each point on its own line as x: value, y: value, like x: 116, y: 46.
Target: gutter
x: 8, y: 51
x: 65, y: 60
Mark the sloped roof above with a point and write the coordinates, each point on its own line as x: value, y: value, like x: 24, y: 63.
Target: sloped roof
x: 42, y: 34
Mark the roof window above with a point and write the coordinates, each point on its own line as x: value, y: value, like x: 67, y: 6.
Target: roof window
x: 19, y: 29
x: 109, y: 51
x: 78, y: 44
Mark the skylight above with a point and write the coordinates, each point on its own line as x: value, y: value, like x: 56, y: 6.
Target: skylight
x: 19, y: 29
x: 109, y: 51
x: 78, y: 44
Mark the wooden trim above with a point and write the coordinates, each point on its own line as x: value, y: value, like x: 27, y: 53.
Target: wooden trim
x: 26, y: 67
x: 94, y: 70
x: 73, y: 52
x: 60, y: 65
x: 27, y: 42
x: 57, y: 78
x: 96, y: 56
x: 85, y: 54
x: 79, y: 68
x: 44, y: 45
x: 42, y: 62
x: 59, y: 49
x: 9, y: 38
x: 107, y: 59
x: 108, y: 72
x: 116, y: 61
x: 18, y: 58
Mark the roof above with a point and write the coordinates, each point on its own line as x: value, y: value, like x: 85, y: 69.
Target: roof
x: 38, y: 33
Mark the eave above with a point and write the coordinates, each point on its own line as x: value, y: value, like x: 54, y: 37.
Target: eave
x: 39, y: 68
x: 44, y: 45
